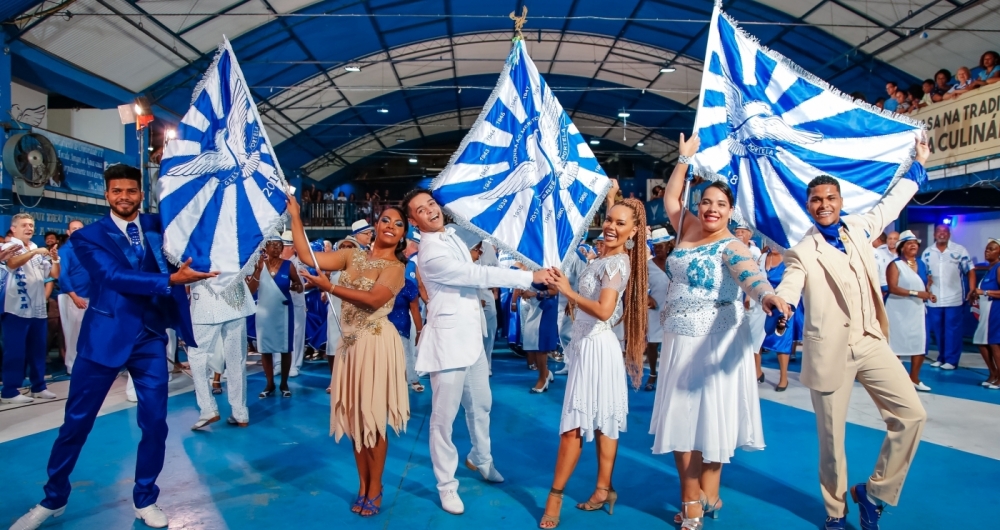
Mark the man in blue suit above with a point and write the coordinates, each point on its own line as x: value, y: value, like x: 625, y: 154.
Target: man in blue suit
x: 134, y: 297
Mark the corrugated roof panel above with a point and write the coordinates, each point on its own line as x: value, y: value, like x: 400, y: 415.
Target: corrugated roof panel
x: 109, y: 46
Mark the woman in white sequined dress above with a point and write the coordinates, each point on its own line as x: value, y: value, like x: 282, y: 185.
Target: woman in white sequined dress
x: 595, y: 405
x: 706, y: 402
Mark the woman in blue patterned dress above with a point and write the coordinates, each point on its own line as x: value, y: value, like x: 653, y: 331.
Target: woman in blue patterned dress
x: 987, y: 335
x: 706, y: 404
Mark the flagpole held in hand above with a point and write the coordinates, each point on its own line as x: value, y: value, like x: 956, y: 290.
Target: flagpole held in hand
x: 291, y: 191
x: 685, y: 197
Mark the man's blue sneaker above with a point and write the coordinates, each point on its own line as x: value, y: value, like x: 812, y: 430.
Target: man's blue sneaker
x: 870, y: 512
x: 835, y: 523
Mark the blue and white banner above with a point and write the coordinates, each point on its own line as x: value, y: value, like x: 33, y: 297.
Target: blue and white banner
x: 221, y: 190
x: 524, y: 177
x: 768, y: 128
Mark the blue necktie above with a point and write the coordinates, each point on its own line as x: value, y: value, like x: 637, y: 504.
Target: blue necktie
x: 133, y: 236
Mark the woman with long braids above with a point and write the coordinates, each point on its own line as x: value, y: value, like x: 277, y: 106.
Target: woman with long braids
x: 595, y: 405
x: 368, y: 390
x: 706, y: 404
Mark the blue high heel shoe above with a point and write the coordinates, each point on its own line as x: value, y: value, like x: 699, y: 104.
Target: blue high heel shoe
x: 369, y: 505
x: 359, y: 503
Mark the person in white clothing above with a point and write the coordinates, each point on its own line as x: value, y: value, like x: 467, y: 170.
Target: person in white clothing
x: 298, y: 309
x: 658, y: 283
x: 25, y: 318
x: 220, y: 330
x: 755, y: 314
x: 485, y: 255
x: 949, y: 267
x: 451, y: 345
x: 885, y: 253
x: 574, y: 265
x: 906, y: 279
x: 74, y: 287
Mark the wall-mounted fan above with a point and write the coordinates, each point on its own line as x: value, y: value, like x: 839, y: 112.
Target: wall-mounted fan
x: 31, y: 159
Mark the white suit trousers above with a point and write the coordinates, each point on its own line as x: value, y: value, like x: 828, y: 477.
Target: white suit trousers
x: 299, y: 330
x: 491, y: 332
x: 470, y: 388
x: 71, y: 318
x: 231, y: 338
x: 410, y: 351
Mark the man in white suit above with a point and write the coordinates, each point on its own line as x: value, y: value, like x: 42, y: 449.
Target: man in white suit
x: 450, y: 348
x: 833, y: 270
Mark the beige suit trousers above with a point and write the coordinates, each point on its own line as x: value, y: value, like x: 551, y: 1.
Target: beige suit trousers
x: 884, y: 377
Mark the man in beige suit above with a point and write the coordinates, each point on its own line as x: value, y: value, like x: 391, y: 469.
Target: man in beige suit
x: 845, y: 337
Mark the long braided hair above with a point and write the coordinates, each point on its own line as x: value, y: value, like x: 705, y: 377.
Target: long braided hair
x: 635, y: 306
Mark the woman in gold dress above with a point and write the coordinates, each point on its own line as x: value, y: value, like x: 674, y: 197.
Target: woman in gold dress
x: 369, y: 391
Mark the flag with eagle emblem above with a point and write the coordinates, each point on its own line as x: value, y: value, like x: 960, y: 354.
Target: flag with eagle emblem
x: 768, y: 127
x: 524, y: 177
x: 221, y: 189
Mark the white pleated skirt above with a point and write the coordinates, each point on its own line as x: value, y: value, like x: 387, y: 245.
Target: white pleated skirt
x: 706, y: 396
x: 596, y: 396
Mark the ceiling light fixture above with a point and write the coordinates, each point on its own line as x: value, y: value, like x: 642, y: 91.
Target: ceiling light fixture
x: 413, y: 160
x: 640, y: 144
x: 667, y: 70
x: 400, y: 140
x: 383, y: 110
x: 352, y: 68
x: 623, y: 115
x: 595, y: 142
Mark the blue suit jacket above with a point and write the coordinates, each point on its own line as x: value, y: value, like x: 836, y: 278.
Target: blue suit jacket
x: 127, y: 298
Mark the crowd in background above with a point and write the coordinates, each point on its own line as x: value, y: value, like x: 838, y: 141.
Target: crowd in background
x: 943, y: 87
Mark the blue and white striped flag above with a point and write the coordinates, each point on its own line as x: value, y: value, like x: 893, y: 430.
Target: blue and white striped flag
x: 768, y: 127
x: 221, y: 189
x: 524, y: 178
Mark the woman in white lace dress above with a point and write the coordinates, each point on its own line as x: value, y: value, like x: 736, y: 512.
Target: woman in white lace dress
x: 706, y: 404
x: 595, y: 405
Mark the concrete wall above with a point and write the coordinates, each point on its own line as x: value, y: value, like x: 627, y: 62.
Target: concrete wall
x: 97, y: 126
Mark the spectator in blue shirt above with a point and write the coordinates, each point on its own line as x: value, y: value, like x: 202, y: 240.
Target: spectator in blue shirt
x: 74, y: 287
x: 890, y: 103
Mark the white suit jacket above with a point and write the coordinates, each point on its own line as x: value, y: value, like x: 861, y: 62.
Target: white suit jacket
x: 453, y: 336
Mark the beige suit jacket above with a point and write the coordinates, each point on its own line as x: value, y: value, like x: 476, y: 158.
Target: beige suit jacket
x: 811, y: 272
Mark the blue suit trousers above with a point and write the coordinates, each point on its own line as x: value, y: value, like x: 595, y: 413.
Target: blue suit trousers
x: 89, y: 385
x: 24, y: 341
x: 944, y: 324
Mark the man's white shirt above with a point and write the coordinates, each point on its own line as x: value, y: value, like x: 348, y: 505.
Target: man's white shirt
x: 947, y: 270
x: 25, y: 294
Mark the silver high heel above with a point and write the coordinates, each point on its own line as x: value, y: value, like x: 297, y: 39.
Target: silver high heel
x: 690, y: 523
x: 545, y: 387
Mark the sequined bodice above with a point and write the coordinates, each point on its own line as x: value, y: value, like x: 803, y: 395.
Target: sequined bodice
x: 705, y: 287
x: 362, y: 274
x: 605, y: 273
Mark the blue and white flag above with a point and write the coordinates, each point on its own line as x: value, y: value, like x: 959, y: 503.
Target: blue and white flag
x: 768, y: 128
x: 524, y: 178
x: 221, y: 190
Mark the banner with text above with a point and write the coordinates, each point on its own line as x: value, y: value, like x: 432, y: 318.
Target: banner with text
x: 963, y: 129
x: 82, y: 164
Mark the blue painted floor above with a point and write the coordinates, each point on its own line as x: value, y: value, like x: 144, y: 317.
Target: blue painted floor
x: 286, y: 472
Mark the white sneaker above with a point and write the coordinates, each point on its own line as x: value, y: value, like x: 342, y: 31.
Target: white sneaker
x: 936, y: 364
x: 921, y: 387
x: 293, y: 372
x: 35, y: 517
x: 152, y: 515
x: 452, y: 503
x: 19, y: 399
x: 491, y: 474
x: 947, y: 366
x: 44, y: 394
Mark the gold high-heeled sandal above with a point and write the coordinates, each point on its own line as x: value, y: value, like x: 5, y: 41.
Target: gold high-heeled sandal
x: 690, y: 523
x: 610, y: 500
x: 554, y: 519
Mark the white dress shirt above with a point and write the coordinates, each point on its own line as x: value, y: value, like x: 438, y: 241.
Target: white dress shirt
x: 123, y: 226
x: 883, y: 257
x: 947, y: 269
